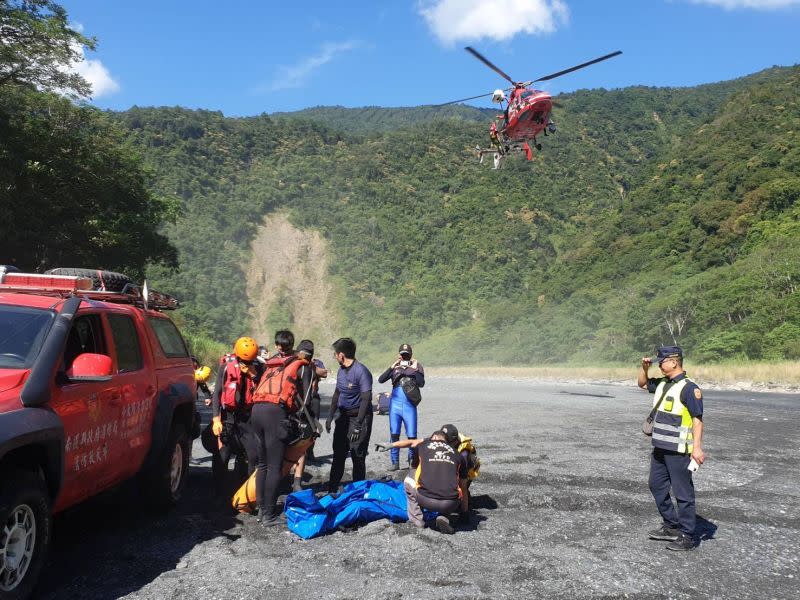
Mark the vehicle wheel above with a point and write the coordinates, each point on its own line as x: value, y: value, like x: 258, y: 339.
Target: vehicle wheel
x: 171, y: 470
x: 112, y: 282
x: 25, y: 532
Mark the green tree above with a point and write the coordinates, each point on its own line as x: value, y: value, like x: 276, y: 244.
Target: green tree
x: 38, y: 47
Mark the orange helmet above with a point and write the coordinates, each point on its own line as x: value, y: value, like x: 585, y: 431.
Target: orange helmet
x: 245, y: 348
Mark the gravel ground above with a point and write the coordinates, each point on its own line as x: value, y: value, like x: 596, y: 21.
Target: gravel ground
x: 562, y: 511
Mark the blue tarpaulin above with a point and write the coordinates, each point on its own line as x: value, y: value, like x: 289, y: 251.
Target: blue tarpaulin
x: 360, y: 502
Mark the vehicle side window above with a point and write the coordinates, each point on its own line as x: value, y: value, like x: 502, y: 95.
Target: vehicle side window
x: 126, y: 341
x: 86, y: 335
x: 169, y: 338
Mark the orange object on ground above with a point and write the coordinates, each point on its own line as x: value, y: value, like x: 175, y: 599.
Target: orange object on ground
x: 244, y: 500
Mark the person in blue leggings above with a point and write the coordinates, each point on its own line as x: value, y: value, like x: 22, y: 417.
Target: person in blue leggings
x: 402, y: 413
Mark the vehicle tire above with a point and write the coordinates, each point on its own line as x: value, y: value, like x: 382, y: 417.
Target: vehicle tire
x: 112, y: 282
x: 170, y: 472
x: 25, y: 532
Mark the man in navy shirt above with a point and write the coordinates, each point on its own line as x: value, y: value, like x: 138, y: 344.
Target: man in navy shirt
x: 677, y: 441
x: 353, y: 399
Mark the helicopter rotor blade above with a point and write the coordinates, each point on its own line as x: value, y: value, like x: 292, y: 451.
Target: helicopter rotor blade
x: 489, y: 64
x: 464, y: 99
x: 576, y: 67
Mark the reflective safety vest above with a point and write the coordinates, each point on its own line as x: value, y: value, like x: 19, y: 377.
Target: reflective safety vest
x: 473, y: 462
x: 233, y: 378
x: 672, y: 427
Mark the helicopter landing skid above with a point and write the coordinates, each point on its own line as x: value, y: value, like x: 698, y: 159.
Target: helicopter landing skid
x: 500, y: 152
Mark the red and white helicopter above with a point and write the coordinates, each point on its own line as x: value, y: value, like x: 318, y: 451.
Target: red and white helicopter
x: 526, y: 114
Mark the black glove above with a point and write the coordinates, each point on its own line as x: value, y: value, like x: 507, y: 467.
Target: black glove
x: 328, y: 425
x: 355, y: 434
x: 381, y: 447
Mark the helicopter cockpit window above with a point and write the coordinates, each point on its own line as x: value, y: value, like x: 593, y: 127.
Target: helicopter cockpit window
x: 527, y: 94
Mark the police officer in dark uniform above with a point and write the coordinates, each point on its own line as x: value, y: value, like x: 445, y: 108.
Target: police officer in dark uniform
x: 677, y: 445
x: 353, y: 399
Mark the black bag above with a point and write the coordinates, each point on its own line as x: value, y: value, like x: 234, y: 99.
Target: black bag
x: 411, y: 389
x: 302, y: 425
x: 647, y: 425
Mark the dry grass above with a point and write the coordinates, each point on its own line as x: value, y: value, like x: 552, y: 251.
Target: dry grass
x: 749, y: 375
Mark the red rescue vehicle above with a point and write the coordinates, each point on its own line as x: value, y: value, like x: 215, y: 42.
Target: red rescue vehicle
x: 96, y: 387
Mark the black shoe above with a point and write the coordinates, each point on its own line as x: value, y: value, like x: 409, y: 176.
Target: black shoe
x: 271, y: 521
x: 395, y: 467
x: 664, y: 534
x: 443, y: 525
x: 684, y: 542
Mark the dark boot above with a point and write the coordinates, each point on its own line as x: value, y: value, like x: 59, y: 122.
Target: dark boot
x: 443, y: 525
x: 395, y: 467
x: 664, y: 534
x: 684, y: 542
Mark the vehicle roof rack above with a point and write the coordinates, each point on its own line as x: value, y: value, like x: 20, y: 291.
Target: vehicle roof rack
x: 63, y: 286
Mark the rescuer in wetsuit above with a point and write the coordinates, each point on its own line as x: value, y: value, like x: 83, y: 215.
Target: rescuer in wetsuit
x: 402, y: 411
x: 231, y: 406
x: 284, y: 383
x: 353, y: 399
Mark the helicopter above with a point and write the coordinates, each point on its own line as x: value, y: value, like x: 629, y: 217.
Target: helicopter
x: 526, y: 113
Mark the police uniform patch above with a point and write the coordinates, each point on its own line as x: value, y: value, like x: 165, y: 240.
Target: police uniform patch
x: 698, y: 394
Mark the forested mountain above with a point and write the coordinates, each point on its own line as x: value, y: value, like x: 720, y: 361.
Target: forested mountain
x: 654, y: 215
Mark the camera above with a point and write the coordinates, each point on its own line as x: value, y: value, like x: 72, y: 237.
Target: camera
x: 405, y: 363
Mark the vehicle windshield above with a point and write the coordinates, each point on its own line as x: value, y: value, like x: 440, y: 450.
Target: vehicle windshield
x: 22, y: 331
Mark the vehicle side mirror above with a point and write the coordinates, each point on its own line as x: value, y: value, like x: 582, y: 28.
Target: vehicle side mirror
x: 90, y: 367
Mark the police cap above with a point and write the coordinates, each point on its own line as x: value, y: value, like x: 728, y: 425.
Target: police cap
x: 665, y: 352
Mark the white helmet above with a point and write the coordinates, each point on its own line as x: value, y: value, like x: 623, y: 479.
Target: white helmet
x: 498, y: 96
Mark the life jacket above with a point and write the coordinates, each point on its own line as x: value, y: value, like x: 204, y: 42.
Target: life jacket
x: 233, y: 379
x: 672, y: 426
x: 473, y: 462
x: 279, y: 381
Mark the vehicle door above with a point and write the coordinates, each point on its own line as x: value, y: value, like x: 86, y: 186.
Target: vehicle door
x: 90, y: 414
x: 136, y: 379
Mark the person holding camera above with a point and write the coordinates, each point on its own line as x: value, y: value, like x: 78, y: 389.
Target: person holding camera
x: 407, y: 377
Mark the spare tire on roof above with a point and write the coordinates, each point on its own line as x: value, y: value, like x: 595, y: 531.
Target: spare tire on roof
x: 101, y: 280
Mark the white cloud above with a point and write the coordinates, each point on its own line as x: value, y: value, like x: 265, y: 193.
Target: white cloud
x: 454, y: 20
x: 96, y: 73
x: 297, y: 75
x: 755, y: 4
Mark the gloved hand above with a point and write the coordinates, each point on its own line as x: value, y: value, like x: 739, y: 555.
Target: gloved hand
x: 328, y: 425
x: 355, y: 434
x: 216, y: 426
x: 381, y: 447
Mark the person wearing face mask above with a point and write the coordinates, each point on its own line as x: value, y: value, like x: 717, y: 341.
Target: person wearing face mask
x: 404, y: 372
x: 352, y: 399
x: 677, y: 437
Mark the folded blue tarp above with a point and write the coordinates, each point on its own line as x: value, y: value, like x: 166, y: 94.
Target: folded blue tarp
x: 360, y: 502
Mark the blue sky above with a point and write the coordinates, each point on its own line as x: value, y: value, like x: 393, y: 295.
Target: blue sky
x: 248, y: 58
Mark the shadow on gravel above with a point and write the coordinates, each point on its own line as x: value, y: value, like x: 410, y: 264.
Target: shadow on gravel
x: 704, y: 530
x: 112, y: 546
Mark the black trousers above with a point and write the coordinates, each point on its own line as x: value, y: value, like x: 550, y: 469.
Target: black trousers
x: 270, y: 425
x: 342, y: 447
x: 238, y: 439
x: 668, y: 470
